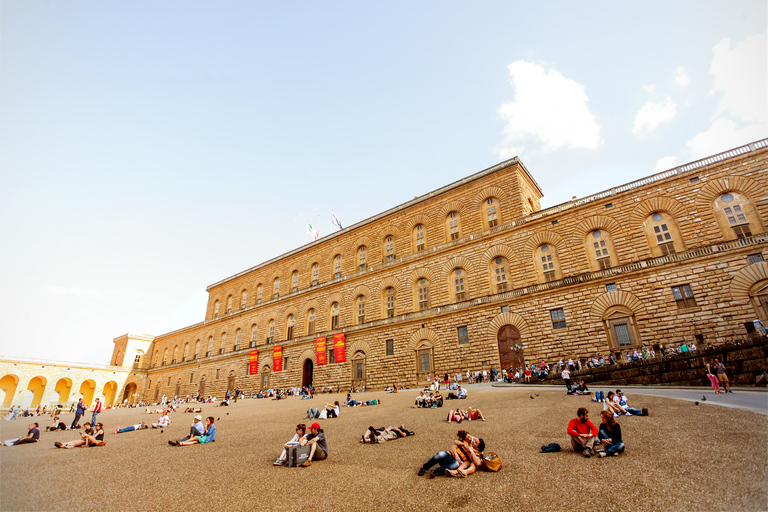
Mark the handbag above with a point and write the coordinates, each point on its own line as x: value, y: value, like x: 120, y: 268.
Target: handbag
x: 492, y: 462
x: 323, y: 414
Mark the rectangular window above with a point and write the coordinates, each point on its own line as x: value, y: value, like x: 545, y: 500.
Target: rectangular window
x: 549, y: 276
x: 359, y: 367
x: 558, y: 318
x: 463, y: 335
x: 753, y: 258
x: 191, y: 377
x: 622, y: 335
x: 605, y: 263
x: 505, y: 309
x: 611, y: 287
x: 331, y: 356
x: 285, y: 363
x: 668, y: 248
x: 683, y: 296
x: 390, y: 347
x: 217, y: 375
x: 311, y: 327
x: 290, y: 333
x: 335, y: 322
x: 460, y: 297
x: 424, y: 362
x: 742, y: 231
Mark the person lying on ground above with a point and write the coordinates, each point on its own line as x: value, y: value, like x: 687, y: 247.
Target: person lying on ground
x: 80, y: 442
x: 331, y: 411
x: 470, y: 452
x: 163, y: 421
x: 208, y: 437
x: 153, y: 411
x: 193, y: 409
x: 33, y: 436
x: 382, y: 434
x: 301, y: 432
x: 316, y: 439
x: 139, y: 426
x: 56, y: 425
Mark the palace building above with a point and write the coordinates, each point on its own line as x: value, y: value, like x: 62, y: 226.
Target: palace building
x: 475, y: 275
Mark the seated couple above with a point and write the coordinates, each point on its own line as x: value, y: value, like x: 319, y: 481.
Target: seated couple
x: 91, y: 437
x: 463, y: 458
x: 329, y: 411
x: 616, y: 403
x: 315, y: 439
x: 470, y: 414
x: 381, y: 435
x: 583, y: 434
x: 208, y: 436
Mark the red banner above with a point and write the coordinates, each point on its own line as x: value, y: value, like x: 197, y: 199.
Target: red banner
x: 320, y: 347
x: 277, y: 358
x: 253, y: 363
x: 339, y: 352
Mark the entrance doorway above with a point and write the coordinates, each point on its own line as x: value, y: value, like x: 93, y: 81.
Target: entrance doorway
x: 306, y: 373
x: 231, y: 382
x: 510, y: 347
x: 358, y: 370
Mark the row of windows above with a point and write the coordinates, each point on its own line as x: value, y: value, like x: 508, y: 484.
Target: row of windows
x: 662, y: 232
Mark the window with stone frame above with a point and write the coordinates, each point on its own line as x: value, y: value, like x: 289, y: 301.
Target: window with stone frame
x: 289, y: 328
x: 259, y: 291
x: 736, y: 216
x: 331, y: 357
x: 361, y: 258
x: 500, y: 274
x: 423, y: 293
x: 390, y: 347
x: 547, y: 261
x: 337, y: 266
x: 389, y: 248
x: 229, y: 304
x: 334, y: 315
x: 558, y: 318
x: 600, y: 247
x: 311, y: 322
x: 459, y: 287
x: 243, y: 299
x: 237, y: 339
x: 463, y: 335
x: 361, y: 309
x: 271, y: 332
x: 210, y: 347
x: 419, y: 233
x: 254, y: 332
x: 197, y: 349
x: 491, y: 213
x: 276, y: 288
x: 295, y: 281
x: 755, y: 258
x: 216, y: 308
x: 315, y: 274
x: 684, y: 296
x: 389, y: 295
x: 223, y: 343
x: 663, y: 234
x: 453, y: 226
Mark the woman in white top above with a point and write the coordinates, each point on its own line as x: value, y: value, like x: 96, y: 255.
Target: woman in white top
x: 301, y: 431
x: 163, y: 421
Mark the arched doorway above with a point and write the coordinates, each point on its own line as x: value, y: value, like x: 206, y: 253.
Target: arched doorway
x: 8, y: 385
x: 424, y: 362
x: 510, y: 348
x: 306, y: 373
x: 231, y: 381
x: 358, y: 370
x: 86, y: 389
x: 201, y: 387
x: 130, y: 393
x: 109, y: 392
x: 265, y: 377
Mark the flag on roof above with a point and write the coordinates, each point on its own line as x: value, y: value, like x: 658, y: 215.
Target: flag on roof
x: 312, y: 231
x: 335, y: 221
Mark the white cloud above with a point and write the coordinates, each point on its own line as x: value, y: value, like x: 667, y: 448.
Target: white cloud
x: 668, y: 162
x: 547, y: 108
x: 651, y: 115
x: 742, y: 77
x: 649, y: 88
x: 721, y: 136
x: 681, y: 77
x: 90, y: 293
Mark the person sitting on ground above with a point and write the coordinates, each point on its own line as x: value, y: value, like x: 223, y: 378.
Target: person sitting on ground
x: 609, y: 436
x: 420, y: 400
x: 131, y: 428
x: 437, y: 400
x: 301, y: 431
x: 612, y: 406
x: 208, y: 436
x: 153, y: 411
x: 461, y: 393
x: 382, y: 434
x: 315, y: 439
x: 446, y: 460
x: 33, y: 436
x: 96, y: 437
x: 350, y: 402
x: 622, y: 401
x: 581, y: 389
x: 196, y: 429
x: 163, y: 421
x: 80, y: 442
x: 57, y: 425
x: 582, y: 432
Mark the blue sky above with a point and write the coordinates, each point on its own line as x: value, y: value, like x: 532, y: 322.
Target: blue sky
x: 149, y: 149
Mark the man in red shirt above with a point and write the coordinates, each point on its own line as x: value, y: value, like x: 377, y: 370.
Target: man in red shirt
x: 96, y: 411
x: 582, y: 432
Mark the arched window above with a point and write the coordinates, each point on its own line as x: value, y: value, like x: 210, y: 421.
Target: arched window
x: 491, y: 213
x: 259, y: 291
x: 223, y: 343
x: 229, y: 304
x: 254, y: 332
x: 315, y: 274
x: 175, y: 354
x: 337, y: 266
x: 389, y: 301
x: 419, y: 236
x: 165, y: 356
x: 458, y: 285
x: 663, y: 234
x: 737, y: 216
x: 499, y: 273
x: 422, y: 293
x: 271, y: 333
x: 547, y: 263
x: 311, y: 321
x: 210, y: 346
x: 197, y: 349
x: 289, y: 328
x: 237, y: 339
x: 243, y: 299
x: 389, y: 248
x: 334, y: 315
x: 216, y: 308
x: 276, y: 288
x: 361, y: 257
x: 600, y: 250
x: 452, y: 226
x: 186, y: 351
x: 295, y: 281
x: 360, y: 309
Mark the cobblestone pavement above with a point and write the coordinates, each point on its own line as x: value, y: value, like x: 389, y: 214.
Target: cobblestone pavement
x: 682, y: 457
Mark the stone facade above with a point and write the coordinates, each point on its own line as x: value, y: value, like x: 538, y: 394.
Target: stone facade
x: 475, y: 275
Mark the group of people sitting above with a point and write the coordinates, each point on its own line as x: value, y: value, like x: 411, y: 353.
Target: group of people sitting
x: 382, y: 434
x: 616, y: 404
x: 584, y: 434
x: 431, y: 400
x: 93, y: 435
x: 470, y: 414
x: 315, y: 439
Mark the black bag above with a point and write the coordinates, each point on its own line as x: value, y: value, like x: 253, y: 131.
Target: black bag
x: 297, y: 455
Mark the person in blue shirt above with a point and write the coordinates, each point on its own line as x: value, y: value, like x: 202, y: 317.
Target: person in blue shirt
x: 208, y: 437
